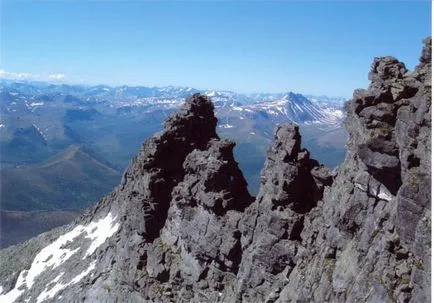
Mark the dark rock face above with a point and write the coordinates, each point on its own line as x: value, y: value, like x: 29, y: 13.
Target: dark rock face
x: 182, y: 227
x: 291, y: 185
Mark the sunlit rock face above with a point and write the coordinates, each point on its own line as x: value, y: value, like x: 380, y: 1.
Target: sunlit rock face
x: 182, y: 227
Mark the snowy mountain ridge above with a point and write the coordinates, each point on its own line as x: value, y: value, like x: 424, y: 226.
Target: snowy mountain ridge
x: 138, y: 99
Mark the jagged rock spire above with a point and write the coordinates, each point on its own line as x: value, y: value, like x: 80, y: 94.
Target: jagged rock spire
x: 291, y: 185
x: 287, y: 176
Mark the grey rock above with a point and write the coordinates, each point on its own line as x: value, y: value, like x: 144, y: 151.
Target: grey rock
x: 182, y: 227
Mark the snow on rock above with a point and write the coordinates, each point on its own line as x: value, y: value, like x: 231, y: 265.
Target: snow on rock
x: 384, y: 193
x: 100, y: 231
x: 295, y: 107
x: 226, y: 125
x: 60, y: 251
x: 333, y: 115
x: 50, y: 293
x: 33, y: 104
x: 12, y: 295
x: 40, y: 131
x: 55, y: 288
x: 211, y: 93
x: 52, y: 256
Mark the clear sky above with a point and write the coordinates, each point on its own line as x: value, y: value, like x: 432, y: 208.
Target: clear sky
x: 312, y: 47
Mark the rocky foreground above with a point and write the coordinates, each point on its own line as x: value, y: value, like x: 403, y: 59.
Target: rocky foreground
x: 182, y: 227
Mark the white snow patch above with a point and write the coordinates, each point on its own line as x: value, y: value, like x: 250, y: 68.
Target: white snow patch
x: 226, y: 125
x: 280, y: 108
x: 52, y: 256
x: 39, y: 131
x: 296, y: 106
x: 241, y: 118
x: 48, y: 294
x: 384, y: 194
x: 36, y: 104
x: 360, y: 186
x: 334, y: 113
x: 99, y: 232
x: 211, y: 93
x: 1, y: 289
x: 237, y: 108
x: 12, y: 295
x: 252, y: 133
x: 57, y: 77
x: 2, y: 125
x: 55, y: 253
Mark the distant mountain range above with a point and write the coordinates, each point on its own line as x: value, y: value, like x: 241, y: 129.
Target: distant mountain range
x: 36, y: 95
x: 39, y: 120
x: 64, y: 146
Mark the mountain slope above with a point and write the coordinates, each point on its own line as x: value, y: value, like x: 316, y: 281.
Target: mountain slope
x: 24, y: 144
x: 181, y: 226
x: 19, y: 226
x: 54, y: 184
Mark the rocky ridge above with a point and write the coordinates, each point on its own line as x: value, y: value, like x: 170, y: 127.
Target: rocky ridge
x: 182, y: 227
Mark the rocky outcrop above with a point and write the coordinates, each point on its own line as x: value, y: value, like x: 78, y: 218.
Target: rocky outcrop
x: 368, y: 240
x: 182, y: 227
x: 291, y: 185
x: 173, y: 221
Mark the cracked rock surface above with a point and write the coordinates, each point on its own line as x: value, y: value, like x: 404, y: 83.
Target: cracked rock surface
x: 182, y: 227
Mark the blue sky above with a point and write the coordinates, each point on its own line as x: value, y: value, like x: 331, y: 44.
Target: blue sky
x: 312, y: 47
